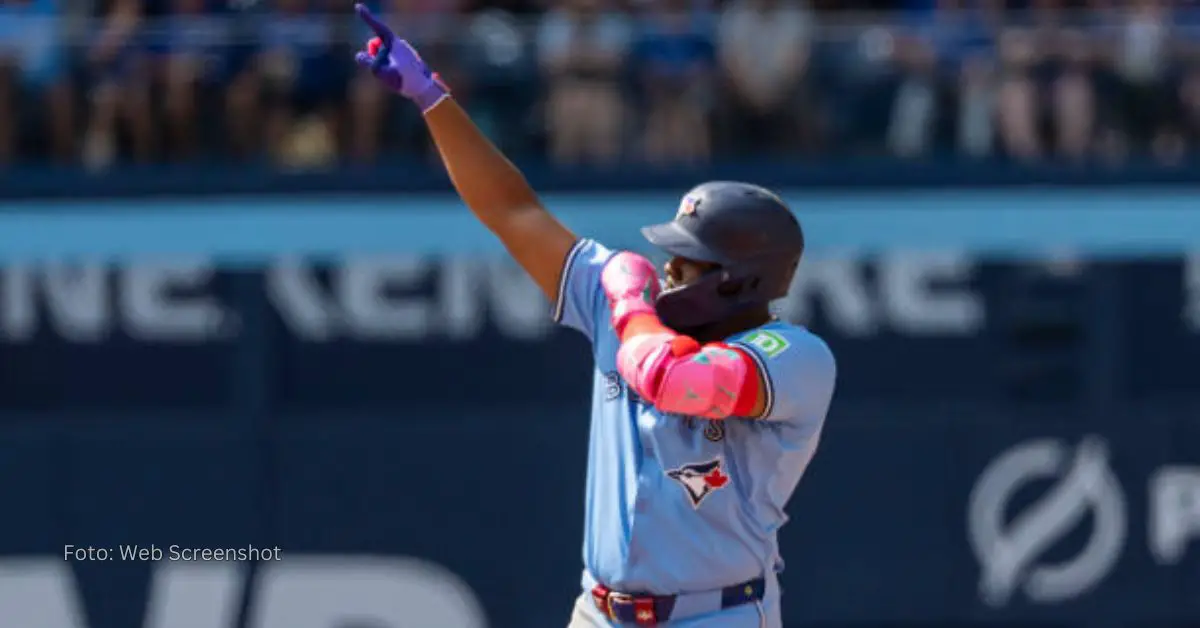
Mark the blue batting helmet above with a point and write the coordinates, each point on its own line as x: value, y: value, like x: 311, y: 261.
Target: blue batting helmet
x: 748, y: 232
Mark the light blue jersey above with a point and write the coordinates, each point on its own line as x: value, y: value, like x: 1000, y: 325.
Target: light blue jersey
x: 678, y: 504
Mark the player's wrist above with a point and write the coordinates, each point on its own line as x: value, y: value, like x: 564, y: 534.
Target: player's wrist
x: 624, y: 310
x: 430, y: 95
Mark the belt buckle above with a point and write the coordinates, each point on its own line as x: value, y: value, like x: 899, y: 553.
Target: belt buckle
x: 614, y: 597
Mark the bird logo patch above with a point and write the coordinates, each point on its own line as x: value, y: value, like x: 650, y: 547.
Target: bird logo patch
x: 687, y: 207
x: 701, y: 479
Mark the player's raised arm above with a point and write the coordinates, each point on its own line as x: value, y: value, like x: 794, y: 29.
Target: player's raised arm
x: 494, y: 190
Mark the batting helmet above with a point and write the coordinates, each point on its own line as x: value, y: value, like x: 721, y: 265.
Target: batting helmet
x: 748, y: 232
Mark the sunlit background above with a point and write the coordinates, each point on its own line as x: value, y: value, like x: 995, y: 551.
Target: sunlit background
x: 241, y: 308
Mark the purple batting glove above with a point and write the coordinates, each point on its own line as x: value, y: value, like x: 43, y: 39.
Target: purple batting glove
x: 398, y: 66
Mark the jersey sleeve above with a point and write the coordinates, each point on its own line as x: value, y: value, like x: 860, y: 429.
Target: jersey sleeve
x: 581, y: 303
x: 798, y: 369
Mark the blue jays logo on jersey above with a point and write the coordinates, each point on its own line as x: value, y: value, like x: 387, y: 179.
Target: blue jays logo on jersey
x: 701, y: 479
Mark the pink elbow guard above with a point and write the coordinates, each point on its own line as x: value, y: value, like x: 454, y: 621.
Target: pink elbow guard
x: 684, y: 378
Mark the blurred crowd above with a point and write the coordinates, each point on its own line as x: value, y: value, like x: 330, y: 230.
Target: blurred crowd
x: 99, y: 82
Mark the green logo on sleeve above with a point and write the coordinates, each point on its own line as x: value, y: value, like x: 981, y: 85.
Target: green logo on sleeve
x: 769, y: 342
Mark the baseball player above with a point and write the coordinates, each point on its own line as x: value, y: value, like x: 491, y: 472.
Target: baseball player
x: 705, y: 410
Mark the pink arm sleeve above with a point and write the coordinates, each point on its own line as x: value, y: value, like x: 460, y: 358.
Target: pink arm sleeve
x: 673, y: 372
x: 679, y: 376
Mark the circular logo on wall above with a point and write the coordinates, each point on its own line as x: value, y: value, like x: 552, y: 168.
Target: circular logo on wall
x: 1010, y: 549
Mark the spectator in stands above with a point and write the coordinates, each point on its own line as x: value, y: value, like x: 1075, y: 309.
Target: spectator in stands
x: 1046, y: 67
x: 969, y: 52
x: 1018, y: 107
x: 35, y: 83
x: 1142, y: 63
x: 764, y: 47
x: 915, y: 105
x: 120, y: 92
x: 944, y: 56
x: 1187, y: 44
x: 200, y: 74
x: 856, y: 77
x: 582, y: 46
x: 675, y: 56
x: 304, y: 78
x: 10, y: 84
x: 500, y: 76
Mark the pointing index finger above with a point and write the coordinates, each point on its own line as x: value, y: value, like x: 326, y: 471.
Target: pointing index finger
x: 380, y: 28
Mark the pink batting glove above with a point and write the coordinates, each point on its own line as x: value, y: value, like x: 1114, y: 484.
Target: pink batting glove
x: 631, y: 284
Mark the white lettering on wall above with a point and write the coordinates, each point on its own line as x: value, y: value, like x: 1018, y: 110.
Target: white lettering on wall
x: 911, y: 294
x: 408, y: 299
x: 88, y: 302
x: 303, y: 592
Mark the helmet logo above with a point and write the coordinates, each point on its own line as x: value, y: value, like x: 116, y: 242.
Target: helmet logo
x: 687, y: 207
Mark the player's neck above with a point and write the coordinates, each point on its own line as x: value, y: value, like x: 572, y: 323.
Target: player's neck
x: 737, y: 323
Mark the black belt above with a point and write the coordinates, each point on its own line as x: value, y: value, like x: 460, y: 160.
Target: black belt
x: 651, y: 610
